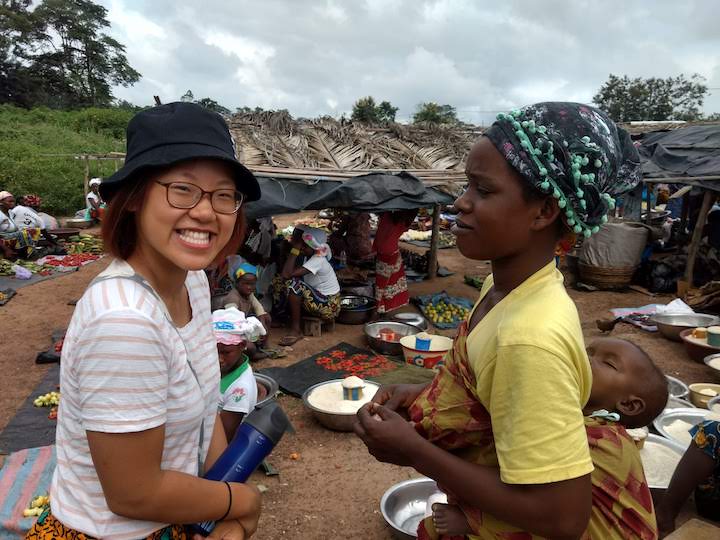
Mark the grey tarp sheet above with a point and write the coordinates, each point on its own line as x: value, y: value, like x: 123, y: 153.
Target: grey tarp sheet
x: 375, y: 192
x: 691, y: 151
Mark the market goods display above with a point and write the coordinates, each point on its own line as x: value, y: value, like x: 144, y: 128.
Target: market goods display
x: 75, y: 260
x: 37, y: 506
x: 6, y: 267
x: 84, y: 243
x: 444, y: 311
x: 329, y: 398
x: 51, y: 399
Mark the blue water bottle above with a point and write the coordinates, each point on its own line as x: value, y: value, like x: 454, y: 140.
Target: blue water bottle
x: 260, y: 431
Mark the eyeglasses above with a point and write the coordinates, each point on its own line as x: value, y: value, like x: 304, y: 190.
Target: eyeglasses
x: 185, y: 196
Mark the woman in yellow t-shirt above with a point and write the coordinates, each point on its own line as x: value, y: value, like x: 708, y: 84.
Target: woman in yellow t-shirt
x: 501, y: 426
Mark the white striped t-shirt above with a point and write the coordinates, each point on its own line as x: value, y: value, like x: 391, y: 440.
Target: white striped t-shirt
x: 123, y: 370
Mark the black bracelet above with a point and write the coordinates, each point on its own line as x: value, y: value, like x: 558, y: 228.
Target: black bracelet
x: 227, y: 512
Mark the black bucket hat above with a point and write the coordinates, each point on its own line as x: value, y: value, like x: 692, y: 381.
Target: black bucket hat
x: 175, y: 132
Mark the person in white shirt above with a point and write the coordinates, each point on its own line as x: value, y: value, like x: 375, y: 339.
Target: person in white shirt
x: 95, y: 205
x: 19, y: 230
x: 312, y: 288
x: 34, y: 202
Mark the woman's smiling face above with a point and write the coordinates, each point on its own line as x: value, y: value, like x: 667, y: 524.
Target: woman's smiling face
x: 189, y: 238
x: 495, y: 219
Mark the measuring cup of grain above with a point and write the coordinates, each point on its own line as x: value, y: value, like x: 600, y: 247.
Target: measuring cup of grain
x: 638, y: 435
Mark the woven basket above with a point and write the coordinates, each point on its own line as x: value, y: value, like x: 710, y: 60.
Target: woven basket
x: 606, y: 278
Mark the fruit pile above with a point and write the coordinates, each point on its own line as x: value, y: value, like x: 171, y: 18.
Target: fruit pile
x: 445, y: 312
x: 6, y: 267
x: 51, y: 399
x: 37, y: 506
x: 84, y: 243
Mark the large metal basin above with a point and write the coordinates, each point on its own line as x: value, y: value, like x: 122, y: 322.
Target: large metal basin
x: 670, y: 326
x: 388, y: 347
x: 332, y: 420
x: 403, y: 506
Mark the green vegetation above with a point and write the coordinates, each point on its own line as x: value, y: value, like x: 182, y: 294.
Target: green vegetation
x: 28, y: 138
x: 365, y: 110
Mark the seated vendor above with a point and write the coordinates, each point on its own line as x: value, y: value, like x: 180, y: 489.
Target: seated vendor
x: 311, y: 288
x: 20, y: 228
x: 95, y: 209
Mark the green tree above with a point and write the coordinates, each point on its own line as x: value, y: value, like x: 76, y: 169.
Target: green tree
x: 16, y: 84
x: 432, y: 113
x: 365, y: 110
x: 714, y: 117
x: 213, y: 105
x: 74, y: 51
x: 673, y: 98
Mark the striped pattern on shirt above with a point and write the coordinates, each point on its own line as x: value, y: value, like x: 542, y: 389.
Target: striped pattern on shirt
x: 124, y: 370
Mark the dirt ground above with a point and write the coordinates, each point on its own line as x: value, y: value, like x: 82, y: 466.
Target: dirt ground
x: 334, y: 488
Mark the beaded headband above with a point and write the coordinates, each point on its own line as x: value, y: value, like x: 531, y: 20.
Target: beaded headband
x: 574, y: 153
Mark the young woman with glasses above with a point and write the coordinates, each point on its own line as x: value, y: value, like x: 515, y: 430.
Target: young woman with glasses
x: 137, y: 422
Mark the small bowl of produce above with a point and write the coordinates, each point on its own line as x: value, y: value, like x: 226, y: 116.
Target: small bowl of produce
x: 404, y: 506
x: 677, y: 388
x: 384, y: 336
x: 702, y: 393
x: 671, y: 326
x: 429, y: 358
x: 696, y: 345
x: 327, y: 404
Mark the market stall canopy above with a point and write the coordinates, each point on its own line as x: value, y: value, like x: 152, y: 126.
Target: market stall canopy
x: 372, y: 192
x: 689, y: 155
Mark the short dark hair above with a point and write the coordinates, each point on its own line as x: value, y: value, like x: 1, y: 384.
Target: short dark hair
x: 653, y: 389
x: 119, y: 225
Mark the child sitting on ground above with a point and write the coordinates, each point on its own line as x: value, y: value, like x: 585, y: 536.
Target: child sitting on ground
x: 628, y: 391
x: 244, y: 278
x: 238, y: 389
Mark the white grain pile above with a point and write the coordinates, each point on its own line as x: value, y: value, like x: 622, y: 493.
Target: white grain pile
x: 678, y: 430
x: 659, y: 463
x: 329, y: 398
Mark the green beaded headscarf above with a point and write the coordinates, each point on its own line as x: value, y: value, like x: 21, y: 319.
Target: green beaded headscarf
x: 573, y: 152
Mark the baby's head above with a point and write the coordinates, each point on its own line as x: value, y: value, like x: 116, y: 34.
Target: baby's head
x: 244, y: 275
x: 626, y: 381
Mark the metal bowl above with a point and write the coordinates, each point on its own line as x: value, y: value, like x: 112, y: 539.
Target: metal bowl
x: 332, y: 420
x: 677, y: 403
x: 670, y: 326
x: 356, y: 309
x: 415, y: 319
x: 403, y: 506
x: 652, y: 442
x: 388, y: 347
x: 677, y: 388
x: 691, y: 416
x: 697, y: 349
x: 709, y: 359
x: 270, y: 386
x: 714, y: 401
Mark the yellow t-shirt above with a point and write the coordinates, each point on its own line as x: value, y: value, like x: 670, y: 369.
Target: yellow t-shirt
x: 533, y: 376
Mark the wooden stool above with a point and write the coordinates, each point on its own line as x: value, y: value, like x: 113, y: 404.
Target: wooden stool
x: 312, y: 326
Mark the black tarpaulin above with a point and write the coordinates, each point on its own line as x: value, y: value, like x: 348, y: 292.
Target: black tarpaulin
x: 375, y: 192
x: 690, y: 152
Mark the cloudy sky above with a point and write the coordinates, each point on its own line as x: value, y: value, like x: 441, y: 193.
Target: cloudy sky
x: 317, y: 57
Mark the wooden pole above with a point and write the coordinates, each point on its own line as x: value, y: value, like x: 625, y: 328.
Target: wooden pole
x: 87, y: 176
x: 434, y: 242
x: 707, y: 203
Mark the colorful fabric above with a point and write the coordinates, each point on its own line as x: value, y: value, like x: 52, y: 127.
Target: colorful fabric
x: 24, y: 238
x: 622, y: 506
x: 571, y: 151
x: 390, y: 281
x: 313, y: 303
x: 24, y: 475
x: 706, y: 436
x: 33, y: 201
x: 238, y: 267
x: 48, y: 527
x: 232, y: 327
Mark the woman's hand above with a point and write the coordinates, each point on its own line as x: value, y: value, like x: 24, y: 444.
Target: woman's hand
x: 388, y: 437
x: 398, y: 396
x: 251, y: 500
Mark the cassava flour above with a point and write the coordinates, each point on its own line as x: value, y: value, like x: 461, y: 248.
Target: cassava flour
x: 659, y: 463
x: 329, y: 398
x: 679, y: 430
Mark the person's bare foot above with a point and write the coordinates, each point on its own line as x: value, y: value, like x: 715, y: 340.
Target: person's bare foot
x: 450, y: 520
